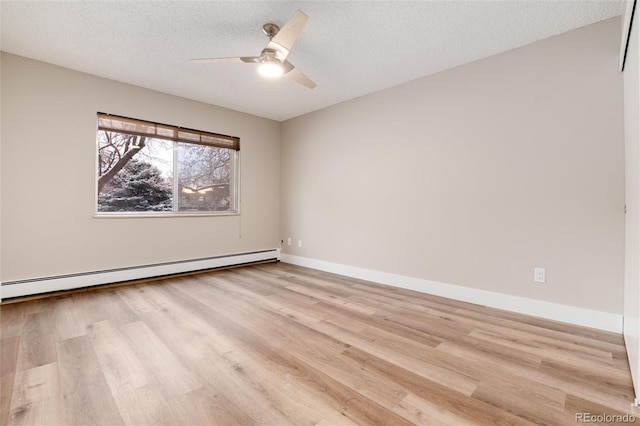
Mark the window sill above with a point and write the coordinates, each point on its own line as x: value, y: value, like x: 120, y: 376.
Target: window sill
x: 160, y: 215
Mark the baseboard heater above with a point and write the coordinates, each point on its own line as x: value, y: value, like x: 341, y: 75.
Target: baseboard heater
x: 29, y: 287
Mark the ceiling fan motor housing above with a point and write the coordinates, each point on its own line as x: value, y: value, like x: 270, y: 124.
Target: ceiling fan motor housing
x: 271, y: 55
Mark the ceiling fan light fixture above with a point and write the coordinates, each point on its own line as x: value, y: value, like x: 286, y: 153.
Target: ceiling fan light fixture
x: 271, y: 68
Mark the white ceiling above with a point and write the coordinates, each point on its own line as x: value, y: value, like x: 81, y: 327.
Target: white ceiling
x: 349, y: 48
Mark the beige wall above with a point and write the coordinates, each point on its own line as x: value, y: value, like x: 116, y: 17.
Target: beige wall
x: 474, y: 176
x: 48, y: 177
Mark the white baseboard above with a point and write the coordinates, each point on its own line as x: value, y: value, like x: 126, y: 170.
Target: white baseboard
x: 33, y: 286
x: 549, y: 310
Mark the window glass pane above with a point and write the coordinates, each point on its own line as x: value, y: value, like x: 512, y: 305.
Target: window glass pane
x: 135, y: 173
x: 205, y: 177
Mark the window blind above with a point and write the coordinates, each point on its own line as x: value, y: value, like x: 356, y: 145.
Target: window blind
x: 132, y: 126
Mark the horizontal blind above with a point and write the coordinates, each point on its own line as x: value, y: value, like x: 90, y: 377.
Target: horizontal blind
x: 132, y: 126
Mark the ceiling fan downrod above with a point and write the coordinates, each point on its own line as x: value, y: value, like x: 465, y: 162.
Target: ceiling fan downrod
x: 270, y: 30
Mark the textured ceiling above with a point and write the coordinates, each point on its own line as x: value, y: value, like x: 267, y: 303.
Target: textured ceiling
x: 348, y: 48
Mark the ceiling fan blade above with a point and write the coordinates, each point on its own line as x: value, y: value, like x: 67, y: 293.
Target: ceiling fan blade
x: 298, y: 76
x: 212, y: 60
x: 247, y: 59
x: 289, y: 33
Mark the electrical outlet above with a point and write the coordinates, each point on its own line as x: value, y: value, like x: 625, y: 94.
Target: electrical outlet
x: 289, y: 241
x: 539, y: 275
x: 299, y: 243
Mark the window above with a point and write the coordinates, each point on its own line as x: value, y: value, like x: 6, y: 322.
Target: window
x: 153, y: 168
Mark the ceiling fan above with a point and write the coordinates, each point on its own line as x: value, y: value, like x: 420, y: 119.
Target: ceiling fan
x: 273, y: 58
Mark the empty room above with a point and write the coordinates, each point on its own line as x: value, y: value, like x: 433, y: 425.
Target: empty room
x: 319, y: 212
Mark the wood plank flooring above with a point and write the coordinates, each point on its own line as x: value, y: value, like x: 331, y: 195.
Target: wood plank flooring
x: 276, y: 344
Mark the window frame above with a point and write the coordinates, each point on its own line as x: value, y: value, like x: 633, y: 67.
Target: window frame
x: 234, y: 159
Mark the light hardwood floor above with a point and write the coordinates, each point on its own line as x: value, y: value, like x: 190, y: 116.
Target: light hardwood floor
x: 276, y: 344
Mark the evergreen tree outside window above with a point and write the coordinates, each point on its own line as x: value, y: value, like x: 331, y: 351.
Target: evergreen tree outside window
x: 152, y: 168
